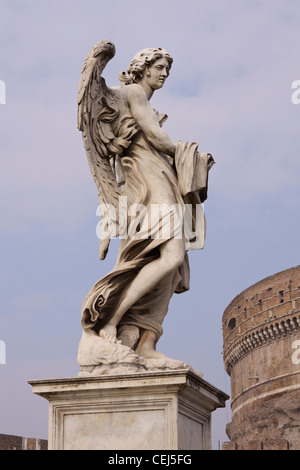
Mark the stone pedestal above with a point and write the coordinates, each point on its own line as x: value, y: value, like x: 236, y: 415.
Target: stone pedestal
x: 162, y: 410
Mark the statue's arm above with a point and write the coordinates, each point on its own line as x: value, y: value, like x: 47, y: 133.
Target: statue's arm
x: 147, y: 120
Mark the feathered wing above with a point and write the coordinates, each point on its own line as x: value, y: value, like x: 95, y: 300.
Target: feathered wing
x: 97, y: 110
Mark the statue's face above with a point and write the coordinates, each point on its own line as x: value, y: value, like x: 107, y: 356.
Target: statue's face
x: 157, y: 73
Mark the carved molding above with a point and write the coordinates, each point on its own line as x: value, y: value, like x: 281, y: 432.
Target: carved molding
x: 260, y: 336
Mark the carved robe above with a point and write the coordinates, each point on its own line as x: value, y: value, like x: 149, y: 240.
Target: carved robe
x: 160, y: 188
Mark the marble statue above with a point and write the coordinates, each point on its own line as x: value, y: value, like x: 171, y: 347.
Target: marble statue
x: 151, y: 191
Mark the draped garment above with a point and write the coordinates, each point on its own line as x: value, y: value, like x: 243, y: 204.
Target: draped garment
x: 155, y: 198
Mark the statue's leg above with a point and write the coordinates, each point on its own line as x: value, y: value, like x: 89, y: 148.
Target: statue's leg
x: 171, y: 258
x: 147, y: 349
x: 128, y: 335
x: 147, y: 345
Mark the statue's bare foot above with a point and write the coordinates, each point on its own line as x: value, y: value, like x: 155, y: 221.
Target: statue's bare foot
x: 156, y: 359
x: 150, y: 354
x: 109, y: 333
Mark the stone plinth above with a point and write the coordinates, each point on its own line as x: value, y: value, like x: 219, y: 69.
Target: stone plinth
x: 162, y: 410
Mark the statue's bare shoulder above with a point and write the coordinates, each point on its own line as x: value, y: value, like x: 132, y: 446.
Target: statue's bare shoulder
x: 131, y: 96
x: 133, y: 92
x: 136, y: 103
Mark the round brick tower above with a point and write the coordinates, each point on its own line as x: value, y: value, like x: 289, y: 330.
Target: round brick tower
x: 261, y: 333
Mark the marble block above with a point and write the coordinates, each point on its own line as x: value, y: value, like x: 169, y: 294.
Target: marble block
x: 161, y: 410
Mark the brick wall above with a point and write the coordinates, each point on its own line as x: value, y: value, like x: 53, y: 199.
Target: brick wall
x: 9, y: 442
x: 279, y: 444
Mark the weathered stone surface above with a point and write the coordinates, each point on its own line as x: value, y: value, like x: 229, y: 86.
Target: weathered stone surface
x: 151, y: 190
x: 261, y: 329
x: 154, y: 410
x: 275, y: 420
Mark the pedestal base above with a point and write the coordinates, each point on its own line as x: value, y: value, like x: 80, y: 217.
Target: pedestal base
x: 138, y: 411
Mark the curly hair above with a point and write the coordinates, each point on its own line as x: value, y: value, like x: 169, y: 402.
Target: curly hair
x: 143, y: 59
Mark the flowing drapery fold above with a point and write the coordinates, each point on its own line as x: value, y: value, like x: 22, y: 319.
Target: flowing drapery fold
x: 157, y: 191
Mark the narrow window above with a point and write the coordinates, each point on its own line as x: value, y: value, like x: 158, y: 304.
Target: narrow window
x: 231, y: 324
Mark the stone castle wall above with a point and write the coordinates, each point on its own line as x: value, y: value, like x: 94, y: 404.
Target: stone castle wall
x: 261, y: 331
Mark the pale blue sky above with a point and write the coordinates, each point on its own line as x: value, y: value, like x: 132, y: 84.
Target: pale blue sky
x: 229, y: 89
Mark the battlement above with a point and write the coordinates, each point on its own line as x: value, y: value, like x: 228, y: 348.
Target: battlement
x: 261, y: 347
x: 267, y: 311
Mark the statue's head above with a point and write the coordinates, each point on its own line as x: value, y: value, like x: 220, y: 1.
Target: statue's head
x: 141, y: 61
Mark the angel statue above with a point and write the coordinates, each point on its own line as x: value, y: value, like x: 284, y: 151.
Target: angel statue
x: 150, y: 188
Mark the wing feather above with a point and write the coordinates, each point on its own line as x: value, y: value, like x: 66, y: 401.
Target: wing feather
x: 98, y: 110
x: 94, y: 119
